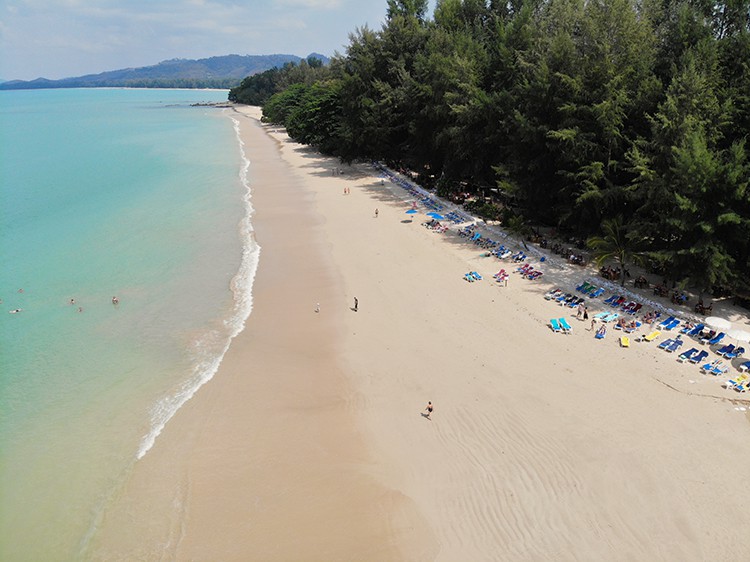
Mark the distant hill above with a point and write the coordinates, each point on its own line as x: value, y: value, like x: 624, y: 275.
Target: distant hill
x: 215, y: 72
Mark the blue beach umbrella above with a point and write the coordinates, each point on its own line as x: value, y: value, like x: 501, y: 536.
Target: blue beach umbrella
x: 436, y: 216
x: 412, y: 212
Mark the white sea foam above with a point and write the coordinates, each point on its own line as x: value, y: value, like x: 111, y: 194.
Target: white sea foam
x: 207, y: 359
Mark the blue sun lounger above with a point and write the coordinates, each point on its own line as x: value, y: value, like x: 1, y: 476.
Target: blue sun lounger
x: 567, y: 328
x: 717, y: 338
x: 715, y: 368
x: 674, y: 346
x: 686, y: 355
x: 709, y: 367
x: 555, y: 324
x: 598, y: 293
x: 726, y: 349
x: 694, y: 331
x: 738, y: 352
x: 663, y: 323
x: 695, y: 359
x: 610, y: 317
x: 665, y: 344
x: 744, y: 367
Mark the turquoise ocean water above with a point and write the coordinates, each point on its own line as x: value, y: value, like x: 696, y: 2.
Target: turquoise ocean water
x: 127, y: 193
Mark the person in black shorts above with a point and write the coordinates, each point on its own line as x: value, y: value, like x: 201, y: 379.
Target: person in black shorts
x: 428, y: 409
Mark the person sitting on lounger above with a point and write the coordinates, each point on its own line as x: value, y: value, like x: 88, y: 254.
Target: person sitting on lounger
x: 602, y: 331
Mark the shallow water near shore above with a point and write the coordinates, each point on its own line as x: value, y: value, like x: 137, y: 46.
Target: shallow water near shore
x: 130, y: 193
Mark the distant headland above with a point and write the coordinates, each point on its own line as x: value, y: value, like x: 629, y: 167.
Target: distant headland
x: 215, y: 72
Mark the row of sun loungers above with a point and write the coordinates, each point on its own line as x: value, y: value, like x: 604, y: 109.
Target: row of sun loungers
x: 456, y: 217
x: 729, y: 351
x: 669, y: 324
x: 693, y: 356
x: 716, y: 367
x: 502, y: 252
x: 590, y: 290
x: 528, y: 271
x: 694, y: 331
x: 713, y: 338
x: 501, y: 276
x: 671, y: 345
x: 561, y: 325
x: 564, y: 299
x: 472, y: 276
x: 607, y: 316
x: 740, y: 383
x: 628, y: 307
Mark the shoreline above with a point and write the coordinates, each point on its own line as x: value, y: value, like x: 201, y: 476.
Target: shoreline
x: 309, y: 444
x: 241, y: 288
x: 281, y: 384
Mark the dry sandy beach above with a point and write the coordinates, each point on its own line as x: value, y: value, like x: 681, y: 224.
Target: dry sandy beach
x: 309, y: 443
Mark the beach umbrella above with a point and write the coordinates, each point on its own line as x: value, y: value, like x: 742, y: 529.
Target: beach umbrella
x: 436, y: 216
x: 717, y: 323
x: 412, y: 212
x: 739, y: 335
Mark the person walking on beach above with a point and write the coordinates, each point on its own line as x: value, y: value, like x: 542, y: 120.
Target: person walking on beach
x: 376, y: 213
x: 428, y: 409
x: 585, y: 313
x: 593, y: 324
x: 356, y: 304
x: 317, y: 307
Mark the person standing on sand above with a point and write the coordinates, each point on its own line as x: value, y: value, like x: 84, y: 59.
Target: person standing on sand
x: 376, y: 213
x: 317, y: 307
x: 428, y: 409
x: 593, y: 324
x: 356, y: 304
x: 585, y: 313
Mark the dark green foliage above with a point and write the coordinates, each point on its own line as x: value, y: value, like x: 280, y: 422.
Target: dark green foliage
x: 603, y: 118
x: 258, y: 88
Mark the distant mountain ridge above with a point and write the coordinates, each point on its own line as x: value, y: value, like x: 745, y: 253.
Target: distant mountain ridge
x: 215, y: 72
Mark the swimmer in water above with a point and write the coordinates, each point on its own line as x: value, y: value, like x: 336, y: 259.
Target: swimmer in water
x: 72, y: 301
x: 115, y: 300
x: 15, y: 311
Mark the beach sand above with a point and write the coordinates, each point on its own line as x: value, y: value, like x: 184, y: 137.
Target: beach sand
x: 310, y: 443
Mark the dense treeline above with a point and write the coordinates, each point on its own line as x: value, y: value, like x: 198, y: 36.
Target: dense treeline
x: 258, y: 88
x: 577, y: 113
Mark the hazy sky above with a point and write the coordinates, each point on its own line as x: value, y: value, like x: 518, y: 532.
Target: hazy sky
x: 62, y: 38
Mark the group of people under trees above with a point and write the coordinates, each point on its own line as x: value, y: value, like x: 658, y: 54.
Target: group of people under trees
x: 612, y: 273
